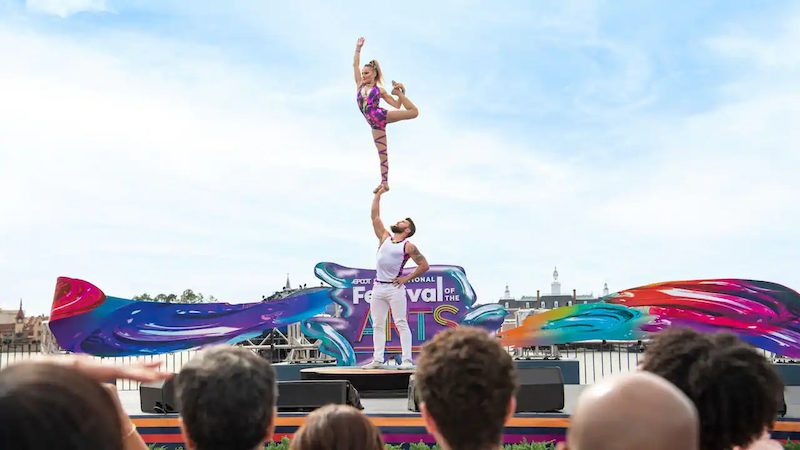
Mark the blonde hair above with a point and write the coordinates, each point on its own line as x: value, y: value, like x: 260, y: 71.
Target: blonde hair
x: 378, y: 72
x: 337, y: 427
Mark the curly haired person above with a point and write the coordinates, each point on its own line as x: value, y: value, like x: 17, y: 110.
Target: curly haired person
x: 467, y: 387
x: 734, y: 388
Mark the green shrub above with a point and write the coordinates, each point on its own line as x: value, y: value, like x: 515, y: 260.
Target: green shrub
x: 423, y: 446
x: 789, y: 445
x: 282, y: 445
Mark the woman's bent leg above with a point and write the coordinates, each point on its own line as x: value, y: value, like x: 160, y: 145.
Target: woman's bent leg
x: 408, y: 113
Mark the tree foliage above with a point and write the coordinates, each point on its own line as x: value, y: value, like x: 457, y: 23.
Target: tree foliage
x: 188, y: 296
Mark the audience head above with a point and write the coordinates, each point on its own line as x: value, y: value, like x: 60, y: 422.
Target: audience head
x: 734, y: 388
x: 632, y: 412
x: 228, y: 399
x: 467, y: 385
x: 337, y: 427
x: 52, y: 406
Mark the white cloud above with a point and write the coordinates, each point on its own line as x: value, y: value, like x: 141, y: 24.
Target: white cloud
x: 773, y: 49
x: 730, y: 170
x: 66, y: 8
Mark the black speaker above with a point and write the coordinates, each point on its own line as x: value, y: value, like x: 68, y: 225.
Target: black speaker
x: 541, y: 389
x: 308, y: 395
x: 158, y: 397
x: 782, y: 404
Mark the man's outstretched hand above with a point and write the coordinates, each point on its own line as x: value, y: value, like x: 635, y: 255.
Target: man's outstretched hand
x: 141, y: 371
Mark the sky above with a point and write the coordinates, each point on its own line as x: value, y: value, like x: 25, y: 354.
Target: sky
x: 152, y: 146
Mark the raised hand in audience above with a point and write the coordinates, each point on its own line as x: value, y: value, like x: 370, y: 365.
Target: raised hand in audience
x: 139, y: 371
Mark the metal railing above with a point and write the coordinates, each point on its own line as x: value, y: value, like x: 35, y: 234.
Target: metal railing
x: 12, y: 353
x: 596, y: 360
x: 171, y: 362
x: 600, y: 359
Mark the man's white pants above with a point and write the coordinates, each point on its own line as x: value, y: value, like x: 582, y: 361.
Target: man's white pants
x: 384, y: 297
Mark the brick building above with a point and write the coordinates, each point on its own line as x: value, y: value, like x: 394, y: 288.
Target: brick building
x: 16, y: 328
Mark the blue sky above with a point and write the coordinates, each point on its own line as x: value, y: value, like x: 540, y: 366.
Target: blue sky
x: 153, y: 146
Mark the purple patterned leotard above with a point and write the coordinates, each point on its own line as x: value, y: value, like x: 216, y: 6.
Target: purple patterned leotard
x: 371, y: 107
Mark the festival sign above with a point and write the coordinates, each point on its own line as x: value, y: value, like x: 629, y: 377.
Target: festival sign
x: 440, y: 298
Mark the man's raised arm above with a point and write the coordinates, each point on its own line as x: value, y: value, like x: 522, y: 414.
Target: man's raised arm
x: 377, y: 223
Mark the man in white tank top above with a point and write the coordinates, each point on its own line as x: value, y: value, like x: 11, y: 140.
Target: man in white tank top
x: 389, y: 291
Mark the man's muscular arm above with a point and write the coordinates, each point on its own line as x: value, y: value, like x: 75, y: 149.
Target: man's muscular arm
x: 422, y: 265
x: 377, y: 223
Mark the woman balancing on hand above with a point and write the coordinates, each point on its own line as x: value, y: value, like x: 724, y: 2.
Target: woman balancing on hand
x: 369, y: 80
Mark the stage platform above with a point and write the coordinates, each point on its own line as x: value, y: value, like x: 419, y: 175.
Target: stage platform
x: 380, y: 383
x: 570, y: 369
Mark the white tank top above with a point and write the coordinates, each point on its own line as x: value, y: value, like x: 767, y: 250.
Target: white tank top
x: 392, y: 257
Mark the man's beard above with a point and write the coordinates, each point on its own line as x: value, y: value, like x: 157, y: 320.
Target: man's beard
x: 396, y: 229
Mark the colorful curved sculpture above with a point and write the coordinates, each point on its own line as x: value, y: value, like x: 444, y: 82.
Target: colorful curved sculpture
x: 765, y: 314
x: 85, y: 320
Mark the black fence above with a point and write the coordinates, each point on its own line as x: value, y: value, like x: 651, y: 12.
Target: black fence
x: 596, y: 360
x: 12, y: 353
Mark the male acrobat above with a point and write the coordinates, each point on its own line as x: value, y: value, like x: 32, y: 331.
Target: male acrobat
x: 389, y: 289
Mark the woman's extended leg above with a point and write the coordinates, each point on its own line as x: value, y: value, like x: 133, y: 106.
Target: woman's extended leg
x: 379, y: 136
x: 408, y: 113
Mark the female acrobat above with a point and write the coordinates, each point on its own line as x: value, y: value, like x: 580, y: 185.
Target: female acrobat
x: 369, y: 80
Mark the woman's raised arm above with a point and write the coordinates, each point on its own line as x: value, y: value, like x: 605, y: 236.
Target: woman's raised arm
x: 357, y: 61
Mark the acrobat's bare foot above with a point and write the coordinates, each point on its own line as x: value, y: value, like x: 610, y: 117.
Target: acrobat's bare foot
x: 398, y: 88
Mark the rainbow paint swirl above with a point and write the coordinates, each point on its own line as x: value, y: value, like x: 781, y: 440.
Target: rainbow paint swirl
x: 89, y: 322
x: 765, y: 314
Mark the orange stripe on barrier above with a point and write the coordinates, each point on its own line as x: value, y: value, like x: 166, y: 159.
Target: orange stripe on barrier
x: 551, y: 422
x: 787, y: 426
x: 162, y: 438
x: 408, y: 421
x: 416, y: 421
x: 290, y: 421
x: 156, y: 422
